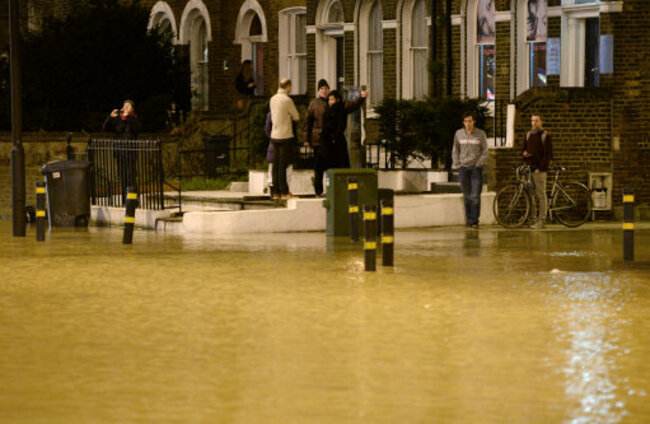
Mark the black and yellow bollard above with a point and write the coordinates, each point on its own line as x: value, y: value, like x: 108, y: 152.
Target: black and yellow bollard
x: 40, y: 211
x: 628, y: 225
x: 129, y: 219
x: 387, y: 231
x: 353, y: 208
x: 370, y: 232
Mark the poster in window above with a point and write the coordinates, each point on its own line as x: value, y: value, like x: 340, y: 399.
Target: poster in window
x: 486, y: 27
x: 606, y: 54
x: 536, y: 23
x: 553, y: 56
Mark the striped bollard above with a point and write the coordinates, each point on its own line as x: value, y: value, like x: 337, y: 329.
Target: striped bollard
x: 370, y: 232
x: 353, y: 208
x: 40, y: 211
x: 129, y: 219
x: 387, y: 231
x: 628, y: 225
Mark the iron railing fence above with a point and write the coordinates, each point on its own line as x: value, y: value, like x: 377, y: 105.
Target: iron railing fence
x: 118, y: 164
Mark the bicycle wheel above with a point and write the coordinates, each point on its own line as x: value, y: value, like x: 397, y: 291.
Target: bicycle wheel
x: 572, y: 204
x: 511, y: 206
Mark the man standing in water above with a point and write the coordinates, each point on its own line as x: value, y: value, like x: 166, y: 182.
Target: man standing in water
x: 469, y: 156
x: 537, y: 153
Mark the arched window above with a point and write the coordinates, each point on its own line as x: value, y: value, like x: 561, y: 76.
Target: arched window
x: 293, y: 47
x: 372, y: 49
x: 162, y: 18
x: 414, y: 51
x: 251, y: 34
x: 196, y: 32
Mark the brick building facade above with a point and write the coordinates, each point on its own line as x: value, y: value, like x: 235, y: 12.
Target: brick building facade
x: 595, y: 108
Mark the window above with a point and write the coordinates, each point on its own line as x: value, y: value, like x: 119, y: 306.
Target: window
x: 372, y: 48
x: 251, y: 34
x: 419, y: 49
x: 162, y: 18
x: 293, y: 48
x: 580, y: 46
x: 485, y: 40
x: 195, y: 31
x: 414, y: 53
x: 537, y: 64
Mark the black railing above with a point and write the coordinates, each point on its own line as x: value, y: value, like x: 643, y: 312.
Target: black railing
x: 118, y: 164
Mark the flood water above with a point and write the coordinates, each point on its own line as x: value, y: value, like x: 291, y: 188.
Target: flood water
x: 493, y: 326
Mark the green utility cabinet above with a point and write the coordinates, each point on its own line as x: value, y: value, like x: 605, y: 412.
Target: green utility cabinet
x: 336, y: 187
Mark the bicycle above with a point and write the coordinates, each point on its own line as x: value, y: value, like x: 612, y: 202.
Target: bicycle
x: 570, y: 202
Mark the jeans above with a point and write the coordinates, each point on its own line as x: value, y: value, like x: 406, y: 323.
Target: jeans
x: 539, y: 181
x: 471, y: 182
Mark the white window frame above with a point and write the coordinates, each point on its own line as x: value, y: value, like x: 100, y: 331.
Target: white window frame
x: 364, y: 40
x: 326, y: 42
x: 407, y: 48
x: 194, y: 14
x: 247, y: 12
x: 289, y: 60
x: 160, y: 12
x: 572, y: 44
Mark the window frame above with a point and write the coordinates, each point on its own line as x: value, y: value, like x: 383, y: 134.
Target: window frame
x: 289, y: 60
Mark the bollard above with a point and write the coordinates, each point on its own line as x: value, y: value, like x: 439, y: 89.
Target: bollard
x: 129, y: 219
x: 628, y: 225
x: 40, y: 211
x: 353, y: 208
x: 370, y: 231
x: 387, y: 231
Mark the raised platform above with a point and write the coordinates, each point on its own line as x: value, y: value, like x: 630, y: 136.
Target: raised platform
x: 293, y: 215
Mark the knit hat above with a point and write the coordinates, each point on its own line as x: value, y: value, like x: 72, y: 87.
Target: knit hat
x: 323, y: 83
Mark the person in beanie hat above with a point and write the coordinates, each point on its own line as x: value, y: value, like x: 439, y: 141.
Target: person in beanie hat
x: 314, y: 128
x: 126, y: 127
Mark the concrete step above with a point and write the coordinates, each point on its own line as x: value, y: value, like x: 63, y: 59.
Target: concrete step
x: 450, y: 187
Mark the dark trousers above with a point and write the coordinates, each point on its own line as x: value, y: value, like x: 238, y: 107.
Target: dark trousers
x: 282, y: 151
x: 321, y: 161
x: 471, y: 182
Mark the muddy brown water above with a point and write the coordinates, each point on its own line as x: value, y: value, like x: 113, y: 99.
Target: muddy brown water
x: 491, y: 326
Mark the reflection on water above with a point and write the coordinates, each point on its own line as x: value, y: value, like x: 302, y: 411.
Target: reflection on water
x: 470, y: 326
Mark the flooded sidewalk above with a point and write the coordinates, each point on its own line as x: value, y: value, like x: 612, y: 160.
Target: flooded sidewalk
x: 487, y: 326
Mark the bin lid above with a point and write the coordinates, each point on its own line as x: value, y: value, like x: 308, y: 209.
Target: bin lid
x: 64, y: 165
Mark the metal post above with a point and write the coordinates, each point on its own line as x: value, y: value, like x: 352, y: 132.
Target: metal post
x: 370, y: 232
x: 387, y: 231
x: 40, y: 211
x: 17, y: 150
x: 129, y: 219
x: 628, y: 225
x: 353, y: 208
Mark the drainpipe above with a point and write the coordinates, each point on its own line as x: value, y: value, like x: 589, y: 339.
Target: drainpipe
x: 448, y: 34
x: 433, y: 38
x: 17, y: 150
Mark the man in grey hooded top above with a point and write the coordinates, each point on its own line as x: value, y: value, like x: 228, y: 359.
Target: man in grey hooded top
x: 469, y: 156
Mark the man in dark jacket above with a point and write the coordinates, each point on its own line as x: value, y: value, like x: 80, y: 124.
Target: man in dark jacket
x: 538, y: 153
x: 126, y: 127
x: 314, y: 128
